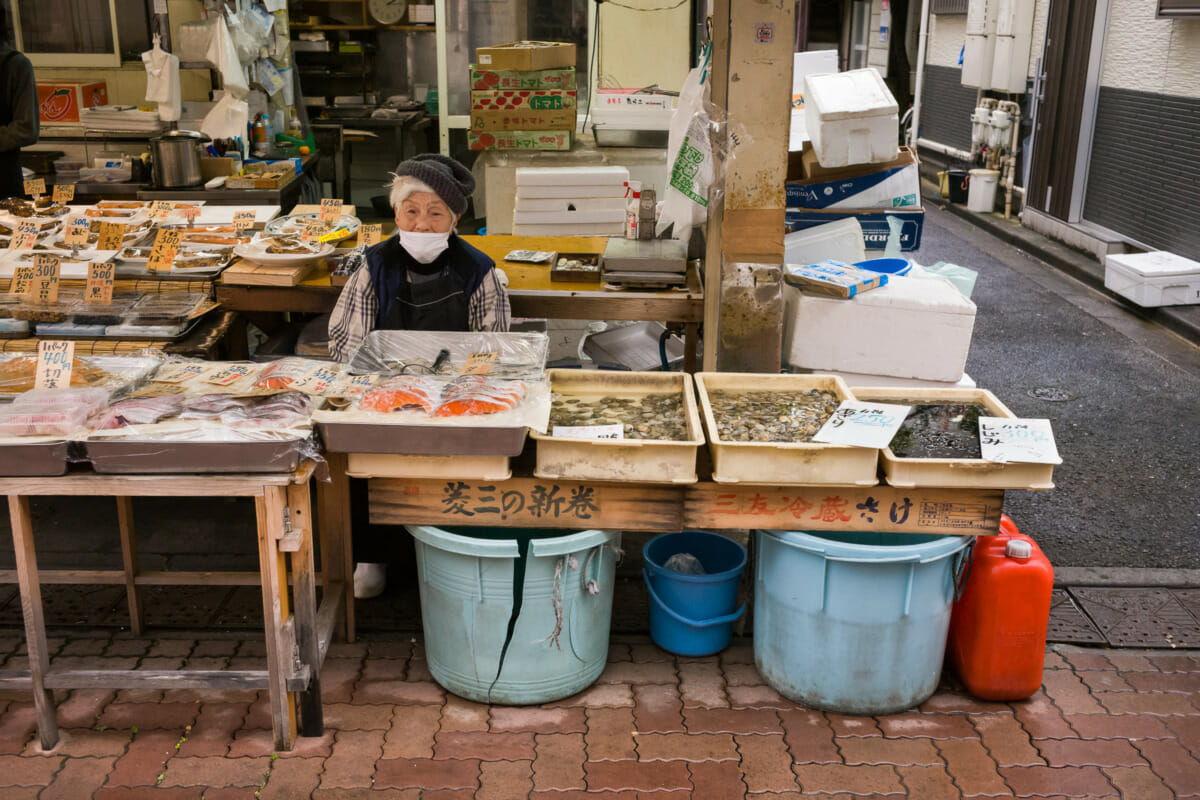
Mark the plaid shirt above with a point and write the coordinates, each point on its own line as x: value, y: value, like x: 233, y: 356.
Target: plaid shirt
x: 357, y: 310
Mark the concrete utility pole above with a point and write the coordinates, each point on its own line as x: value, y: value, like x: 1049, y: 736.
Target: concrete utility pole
x: 752, y: 79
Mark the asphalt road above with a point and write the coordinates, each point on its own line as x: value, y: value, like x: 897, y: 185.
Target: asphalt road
x: 1126, y: 407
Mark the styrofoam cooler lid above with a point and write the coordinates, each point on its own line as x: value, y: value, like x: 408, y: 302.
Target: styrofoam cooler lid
x: 1154, y: 263
x: 904, y: 292
x: 570, y: 176
x: 842, y: 95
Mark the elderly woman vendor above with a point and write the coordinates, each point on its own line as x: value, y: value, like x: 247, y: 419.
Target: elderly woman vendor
x: 425, y: 278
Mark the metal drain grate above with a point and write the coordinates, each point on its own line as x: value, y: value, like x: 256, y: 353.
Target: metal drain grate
x: 1069, y: 625
x: 1051, y: 394
x: 1139, y: 617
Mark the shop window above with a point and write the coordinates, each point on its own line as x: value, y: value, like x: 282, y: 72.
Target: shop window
x: 1179, y: 8
x: 68, y: 33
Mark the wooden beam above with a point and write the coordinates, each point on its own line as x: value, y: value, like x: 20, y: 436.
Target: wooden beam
x: 157, y: 679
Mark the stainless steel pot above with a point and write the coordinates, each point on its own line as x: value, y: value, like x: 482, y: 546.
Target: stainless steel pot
x: 177, y: 158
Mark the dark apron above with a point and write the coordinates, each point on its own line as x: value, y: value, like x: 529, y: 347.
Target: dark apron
x: 437, y: 304
x: 12, y: 183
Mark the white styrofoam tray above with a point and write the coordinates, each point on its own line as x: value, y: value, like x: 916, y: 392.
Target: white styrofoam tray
x: 571, y: 176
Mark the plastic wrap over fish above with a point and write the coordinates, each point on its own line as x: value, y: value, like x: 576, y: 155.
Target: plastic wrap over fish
x: 520, y: 356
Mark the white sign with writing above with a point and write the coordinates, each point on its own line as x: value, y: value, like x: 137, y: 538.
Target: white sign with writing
x: 1028, y: 441
x: 55, y: 360
x: 590, y: 431
x: 862, y: 424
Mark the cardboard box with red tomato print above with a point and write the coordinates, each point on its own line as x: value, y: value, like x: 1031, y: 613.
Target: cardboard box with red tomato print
x: 523, y: 110
x: 60, y: 101
x: 485, y: 80
x: 519, y: 140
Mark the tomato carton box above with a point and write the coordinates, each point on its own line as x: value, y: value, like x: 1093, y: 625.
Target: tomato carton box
x: 526, y: 56
x: 60, y: 101
x: 519, y: 140
x: 528, y: 99
x: 483, y: 79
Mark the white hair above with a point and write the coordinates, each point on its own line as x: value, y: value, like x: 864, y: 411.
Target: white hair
x: 404, y: 185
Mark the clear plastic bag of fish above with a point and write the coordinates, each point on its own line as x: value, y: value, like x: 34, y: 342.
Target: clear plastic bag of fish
x: 685, y: 564
x: 514, y: 356
x: 531, y: 256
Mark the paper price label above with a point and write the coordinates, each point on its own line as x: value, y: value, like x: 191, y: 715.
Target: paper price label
x: 99, y: 289
x: 64, y: 192
x: 179, y: 373
x: 230, y: 374
x: 24, y: 237
x: 78, y: 231
x: 22, y: 279
x: 166, y: 247
x: 55, y: 360
x: 35, y: 187
x: 190, y: 213
x: 862, y: 424
x: 312, y: 229
x: 590, y: 431
x: 156, y: 390
x: 479, y: 364
x: 1028, y: 441
x: 331, y: 210
x: 243, y: 220
x: 317, y: 382
x: 45, y: 278
x: 112, y: 234
x: 160, y: 209
x: 370, y: 234
x: 355, y: 385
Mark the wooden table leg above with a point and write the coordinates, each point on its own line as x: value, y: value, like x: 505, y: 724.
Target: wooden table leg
x: 35, y: 625
x: 304, y: 594
x: 337, y: 558
x: 691, y: 338
x: 130, y: 559
x: 269, y: 508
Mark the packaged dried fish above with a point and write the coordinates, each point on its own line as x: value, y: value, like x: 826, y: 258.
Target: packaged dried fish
x: 403, y: 391
x: 138, y: 411
x: 476, y: 394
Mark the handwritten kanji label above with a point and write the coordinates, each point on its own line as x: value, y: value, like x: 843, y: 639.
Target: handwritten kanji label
x: 478, y: 364
x: 590, y: 431
x: 370, y: 234
x: 317, y: 382
x: 229, y: 374
x: 190, y: 213
x: 179, y: 373
x: 99, y: 289
x: 24, y: 237
x: 160, y: 209
x: 35, y: 187
x: 55, y: 360
x: 354, y: 385
x: 22, y: 279
x: 45, y: 278
x: 111, y: 236
x: 166, y: 247
x: 156, y: 390
x: 78, y: 230
x: 862, y: 424
x: 64, y: 192
x: 243, y: 220
x: 331, y: 210
x: 311, y: 229
x: 1028, y: 441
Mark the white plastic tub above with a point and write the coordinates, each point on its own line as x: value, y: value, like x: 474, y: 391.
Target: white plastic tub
x: 852, y: 118
x: 834, y: 241
x: 981, y: 195
x: 1153, y: 279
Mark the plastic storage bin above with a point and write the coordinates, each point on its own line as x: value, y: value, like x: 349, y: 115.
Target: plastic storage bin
x: 981, y: 194
x: 852, y: 118
x: 693, y: 615
x: 1157, y: 278
x: 841, y: 240
x: 515, y: 616
x: 853, y: 622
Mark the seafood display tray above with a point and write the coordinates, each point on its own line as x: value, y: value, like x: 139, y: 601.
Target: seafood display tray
x: 380, y: 465
x: 783, y: 463
x: 956, y: 473
x: 134, y: 337
x: 381, y: 438
x: 33, y: 460
x: 640, y: 460
x: 132, y: 457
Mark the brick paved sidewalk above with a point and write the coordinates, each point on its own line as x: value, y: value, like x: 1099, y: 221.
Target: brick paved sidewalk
x: 1107, y: 724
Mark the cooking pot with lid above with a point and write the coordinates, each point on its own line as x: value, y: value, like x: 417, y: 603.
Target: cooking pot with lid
x: 177, y: 158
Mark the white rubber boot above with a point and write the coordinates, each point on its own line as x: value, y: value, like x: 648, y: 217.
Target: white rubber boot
x: 369, y: 580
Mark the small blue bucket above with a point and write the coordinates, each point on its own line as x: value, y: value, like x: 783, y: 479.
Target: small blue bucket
x: 693, y: 615
x: 888, y: 266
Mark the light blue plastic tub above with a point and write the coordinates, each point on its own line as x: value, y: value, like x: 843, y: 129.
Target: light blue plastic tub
x: 854, y: 622
x: 693, y: 615
x: 508, y: 630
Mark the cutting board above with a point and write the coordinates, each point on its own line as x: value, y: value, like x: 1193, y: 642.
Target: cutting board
x: 247, y: 273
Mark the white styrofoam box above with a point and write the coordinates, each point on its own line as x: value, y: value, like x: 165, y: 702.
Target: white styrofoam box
x: 978, y: 55
x: 852, y: 118
x: 856, y: 379
x: 564, y: 217
x: 1157, y: 278
x: 838, y: 241
x: 571, y: 229
x: 634, y: 119
x: 572, y: 192
x: 811, y: 61
x: 910, y: 328
x: 565, y: 204
x: 571, y: 176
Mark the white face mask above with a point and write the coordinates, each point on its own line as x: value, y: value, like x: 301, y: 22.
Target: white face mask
x: 424, y: 247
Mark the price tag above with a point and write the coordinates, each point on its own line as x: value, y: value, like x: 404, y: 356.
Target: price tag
x: 156, y: 390
x: 45, y: 278
x: 1028, y: 441
x: 166, y: 247
x: 312, y: 229
x: 355, y: 385
x: 317, y: 382
x: 160, y: 209
x: 243, y: 220
x: 99, y: 289
x: 179, y: 373
x: 590, y: 431
x: 479, y: 364
x: 35, y: 187
x: 112, y: 234
x: 862, y: 424
x: 22, y: 279
x: 55, y: 360
x: 24, y: 237
x: 190, y: 213
x: 370, y: 234
x: 229, y: 374
x: 331, y: 210
x: 78, y: 230
x: 64, y: 192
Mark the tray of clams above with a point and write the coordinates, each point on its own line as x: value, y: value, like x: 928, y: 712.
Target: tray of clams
x: 620, y: 426
x: 760, y: 429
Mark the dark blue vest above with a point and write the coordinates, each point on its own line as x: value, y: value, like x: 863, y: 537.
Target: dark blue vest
x: 388, y: 264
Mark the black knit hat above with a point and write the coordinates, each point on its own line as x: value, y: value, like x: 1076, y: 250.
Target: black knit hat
x: 449, y: 179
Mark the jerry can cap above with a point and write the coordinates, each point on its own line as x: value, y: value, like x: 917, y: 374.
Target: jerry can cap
x: 1018, y: 548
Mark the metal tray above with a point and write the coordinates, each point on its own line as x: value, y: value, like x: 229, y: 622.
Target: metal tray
x: 33, y: 460
x: 124, y: 457
x: 420, y: 440
x: 634, y: 346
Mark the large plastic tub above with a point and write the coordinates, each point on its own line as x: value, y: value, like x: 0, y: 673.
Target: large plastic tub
x: 515, y: 616
x: 854, y: 622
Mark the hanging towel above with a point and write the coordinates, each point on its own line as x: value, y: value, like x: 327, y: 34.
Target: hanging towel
x: 162, y: 82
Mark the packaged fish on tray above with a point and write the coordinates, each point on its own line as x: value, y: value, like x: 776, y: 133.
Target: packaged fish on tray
x: 498, y: 355
x: 18, y: 372
x: 165, y: 308
x: 287, y: 373
x: 50, y: 412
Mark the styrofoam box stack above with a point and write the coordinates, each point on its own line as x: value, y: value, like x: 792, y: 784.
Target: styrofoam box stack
x: 570, y: 201
x: 852, y: 118
x: 1157, y: 278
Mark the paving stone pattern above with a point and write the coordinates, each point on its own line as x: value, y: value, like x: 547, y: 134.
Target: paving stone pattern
x: 1105, y: 724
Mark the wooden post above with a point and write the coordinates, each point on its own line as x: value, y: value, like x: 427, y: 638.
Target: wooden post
x: 304, y: 589
x: 337, y: 560
x: 35, y: 622
x: 269, y: 509
x: 129, y: 557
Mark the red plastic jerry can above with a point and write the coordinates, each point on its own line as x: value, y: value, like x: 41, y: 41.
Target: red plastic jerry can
x: 997, y: 639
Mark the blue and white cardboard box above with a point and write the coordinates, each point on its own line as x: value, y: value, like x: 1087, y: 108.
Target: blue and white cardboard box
x: 873, y: 221
x: 896, y: 184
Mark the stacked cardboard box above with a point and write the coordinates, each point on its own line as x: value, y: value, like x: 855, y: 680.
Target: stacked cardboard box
x: 523, y: 97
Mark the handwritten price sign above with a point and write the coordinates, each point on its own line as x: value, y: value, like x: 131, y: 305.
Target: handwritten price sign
x: 160, y: 209
x: 243, y: 220
x: 78, y: 231
x: 111, y: 236
x: 99, y: 288
x: 22, y: 279
x: 166, y: 247
x: 45, y: 278
x: 64, y: 192
x: 862, y: 424
x: 1028, y: 441
x: 478, y: 364
x: 178, y: 373
x: 370, y: 234
x: 55, y: 360
x: 313, y: 228
x: 331, y: 210
x: 25, y: 236
x: 35, y: 187
x: 230, y: 374
x: 190, y: 213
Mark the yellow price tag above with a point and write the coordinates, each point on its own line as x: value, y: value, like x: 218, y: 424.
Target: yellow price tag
x: 479, y: 363
x: 112, y: 235
x: 370, y: 234
x: 166, y: 247
x: 24, y: 237
x: 35, y: 187
x: 331, y: 210
x: 160, y: 209
x: 243, y: 220
x: 54, y: 364
x: 64, y: 192
x: 99, y: 289
x: 78, y: 231
x: 22, y: 279
x: 45, y: 278
x: 190, y: 213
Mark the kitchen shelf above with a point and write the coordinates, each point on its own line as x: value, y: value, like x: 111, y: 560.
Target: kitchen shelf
x: 298, y: 27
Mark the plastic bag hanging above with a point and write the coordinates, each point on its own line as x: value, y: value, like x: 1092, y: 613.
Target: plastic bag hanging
x: 162, y: 81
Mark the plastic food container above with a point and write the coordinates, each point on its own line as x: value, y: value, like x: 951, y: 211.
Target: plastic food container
x: 96, y: 314
x: 44, y: 312
x: 166, y: 308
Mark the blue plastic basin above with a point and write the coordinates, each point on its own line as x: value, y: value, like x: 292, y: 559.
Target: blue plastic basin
x: 889, y: 266
x: 693, y: 615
